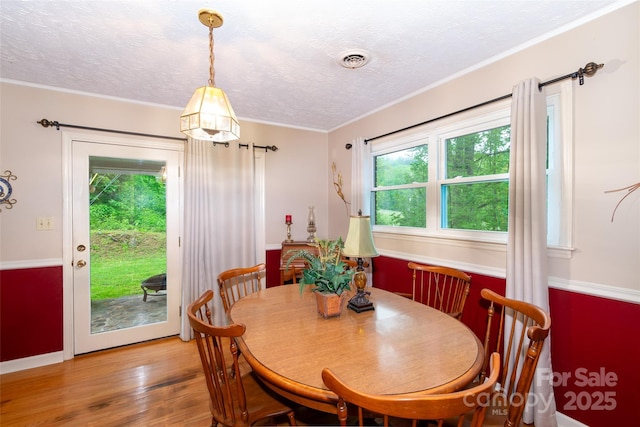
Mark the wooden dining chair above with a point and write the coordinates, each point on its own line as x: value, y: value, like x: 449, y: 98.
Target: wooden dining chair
x: 414, y: 407
x: 239, y: 282
x: 443, y: 288
x: 519, y: 346
x: 237, y: 397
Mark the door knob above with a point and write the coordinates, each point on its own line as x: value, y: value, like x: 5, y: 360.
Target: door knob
x: 81, y: 263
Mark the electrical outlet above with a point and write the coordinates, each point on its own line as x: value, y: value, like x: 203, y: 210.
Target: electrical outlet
x: 44, y: 223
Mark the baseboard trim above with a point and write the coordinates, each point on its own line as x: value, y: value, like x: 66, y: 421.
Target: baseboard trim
x: 565, y: 421
x: 31, y: 362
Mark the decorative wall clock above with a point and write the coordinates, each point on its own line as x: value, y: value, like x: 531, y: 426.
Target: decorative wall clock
x: 6, y: 189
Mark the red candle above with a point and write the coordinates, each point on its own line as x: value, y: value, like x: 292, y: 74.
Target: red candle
x: 287, y: 218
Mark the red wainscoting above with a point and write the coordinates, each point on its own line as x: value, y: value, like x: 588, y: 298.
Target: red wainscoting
x: 595, y: 345
x: 594, y: 341
x: 595, y: 351
x: 273, y: 268
x: 30, y: 312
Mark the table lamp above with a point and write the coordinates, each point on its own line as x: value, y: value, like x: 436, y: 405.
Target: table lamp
x: 359, y: 244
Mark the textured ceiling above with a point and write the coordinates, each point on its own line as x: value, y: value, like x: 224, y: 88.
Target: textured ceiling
x: 276, y: 60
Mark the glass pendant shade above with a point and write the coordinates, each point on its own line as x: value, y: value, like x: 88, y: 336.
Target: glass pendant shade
x: 209, y: 116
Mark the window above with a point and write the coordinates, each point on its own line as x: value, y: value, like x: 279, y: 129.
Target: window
x: 453, y: 180
x: 474, y: 182
x: 401, y: 178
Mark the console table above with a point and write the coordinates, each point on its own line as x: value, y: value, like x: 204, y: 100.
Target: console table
x: 297, y: 265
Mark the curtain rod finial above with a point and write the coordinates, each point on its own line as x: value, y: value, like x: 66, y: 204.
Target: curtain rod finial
x: 591, y: 68
x: 46, y: 123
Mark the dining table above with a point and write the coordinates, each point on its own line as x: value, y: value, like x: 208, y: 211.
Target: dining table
x: 399, y: 347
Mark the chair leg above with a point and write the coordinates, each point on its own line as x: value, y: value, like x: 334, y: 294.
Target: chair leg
x: 292, y: 418
x: 342, y: 412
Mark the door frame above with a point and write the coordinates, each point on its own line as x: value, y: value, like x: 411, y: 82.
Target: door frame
x: 67, y: 209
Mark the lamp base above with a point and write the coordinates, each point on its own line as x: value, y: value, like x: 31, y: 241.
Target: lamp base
x: 360, y: 303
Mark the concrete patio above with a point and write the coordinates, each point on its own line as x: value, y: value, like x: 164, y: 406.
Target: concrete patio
x: 127, y: 312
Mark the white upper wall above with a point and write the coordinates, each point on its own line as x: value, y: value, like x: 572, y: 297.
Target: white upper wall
x: 606, y: 148
x: 606, y: 139
x: 295, y: 176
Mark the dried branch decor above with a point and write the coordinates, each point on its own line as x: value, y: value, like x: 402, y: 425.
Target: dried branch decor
x: 338, y: 186
x: 630, y: 189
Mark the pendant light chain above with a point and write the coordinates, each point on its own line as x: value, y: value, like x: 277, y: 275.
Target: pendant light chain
x: 212, y: 73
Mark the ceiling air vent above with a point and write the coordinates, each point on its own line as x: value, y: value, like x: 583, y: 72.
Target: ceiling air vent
x: 354, y: 58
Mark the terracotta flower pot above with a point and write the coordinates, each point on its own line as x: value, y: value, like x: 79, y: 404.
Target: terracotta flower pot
x: 329, y: 305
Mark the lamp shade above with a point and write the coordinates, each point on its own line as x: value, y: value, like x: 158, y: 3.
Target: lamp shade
x: 359, y: 241
x: 209, y: 116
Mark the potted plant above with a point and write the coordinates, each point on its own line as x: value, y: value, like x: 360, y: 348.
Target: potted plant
x: 327, y: 272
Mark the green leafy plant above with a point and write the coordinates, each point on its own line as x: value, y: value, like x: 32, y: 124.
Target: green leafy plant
x: 326, y: 269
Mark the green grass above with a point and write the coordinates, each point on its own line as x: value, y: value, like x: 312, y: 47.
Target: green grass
x: 121, y: 260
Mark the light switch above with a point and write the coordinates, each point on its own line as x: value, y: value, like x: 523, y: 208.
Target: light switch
x: 44, y: 223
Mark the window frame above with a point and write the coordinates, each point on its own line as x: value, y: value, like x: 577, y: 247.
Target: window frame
x: 392, y: 148
x: 560, y: 171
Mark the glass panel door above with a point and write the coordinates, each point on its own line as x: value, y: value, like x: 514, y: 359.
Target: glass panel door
x: 127, y: 232
x: 125, y: 238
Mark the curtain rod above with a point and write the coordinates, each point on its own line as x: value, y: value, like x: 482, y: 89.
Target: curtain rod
x: 589, y: 70
x: 240, y: 145
x: 47, y: 123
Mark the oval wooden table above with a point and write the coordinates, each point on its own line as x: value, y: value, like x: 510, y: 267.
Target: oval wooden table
x: 400, y: 347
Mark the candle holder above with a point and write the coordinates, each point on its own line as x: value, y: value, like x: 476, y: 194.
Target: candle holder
x: 288, y: 221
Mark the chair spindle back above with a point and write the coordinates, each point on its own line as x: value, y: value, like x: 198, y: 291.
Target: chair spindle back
x: 239, y: 282
x: 521, y: 331
x: 443, y: 288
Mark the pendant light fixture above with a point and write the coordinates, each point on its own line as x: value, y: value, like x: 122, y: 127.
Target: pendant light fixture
x: 209, y: 115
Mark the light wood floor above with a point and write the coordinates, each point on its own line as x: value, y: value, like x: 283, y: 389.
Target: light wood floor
x: 157, y: 383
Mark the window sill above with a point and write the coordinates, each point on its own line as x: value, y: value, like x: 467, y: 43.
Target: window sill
x: 499, y: 243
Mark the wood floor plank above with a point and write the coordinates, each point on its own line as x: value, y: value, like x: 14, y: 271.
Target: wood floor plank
x: 156, y: 383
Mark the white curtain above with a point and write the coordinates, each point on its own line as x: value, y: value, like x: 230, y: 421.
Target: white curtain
x: 361, y: 173
x: 219, y: 226
x: 360, y: 177
x: 527, y: 242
